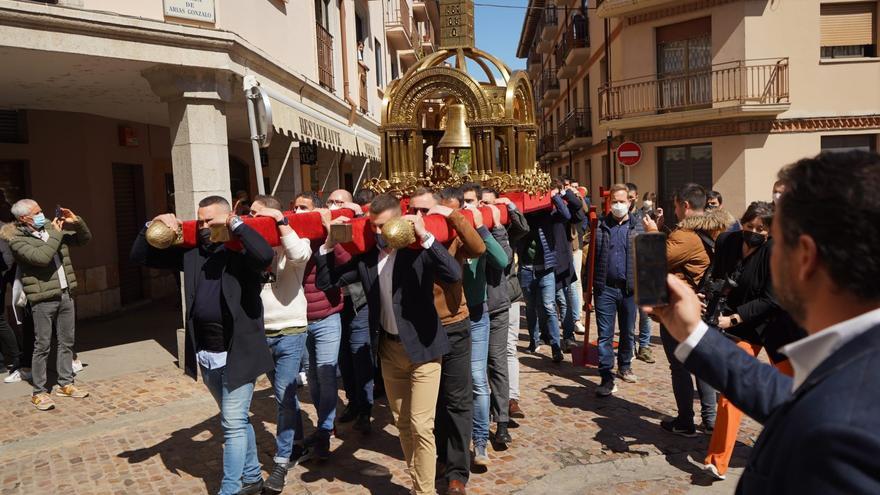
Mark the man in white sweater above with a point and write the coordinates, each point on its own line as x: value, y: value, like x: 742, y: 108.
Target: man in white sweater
x: 284, y: 315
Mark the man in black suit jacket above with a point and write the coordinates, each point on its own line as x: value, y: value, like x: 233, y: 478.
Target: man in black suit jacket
x: 822, y: 427
x: 224, y: 326
x: 399, y: 287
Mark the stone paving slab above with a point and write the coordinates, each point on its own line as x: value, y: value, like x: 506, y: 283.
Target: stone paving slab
x: 157, y: 431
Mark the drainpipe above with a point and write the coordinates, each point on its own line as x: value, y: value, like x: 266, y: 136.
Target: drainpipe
x: 346, y: 88
x: 611, y: 160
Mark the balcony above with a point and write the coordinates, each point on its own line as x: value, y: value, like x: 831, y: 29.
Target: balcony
x: 738, y: 89
x: 574, y: 48
x: 398, y: 26
x: 549, y: 26
x: 576, y: 130
x: 618, y: 8
x: 420, y: 10
x: 427, y: 38
x: 549, y: 87
x: 325, y: 57
x: 364, y: 97
x: 548, y: 147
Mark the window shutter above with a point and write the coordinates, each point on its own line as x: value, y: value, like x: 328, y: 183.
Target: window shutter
x: 845, y: 24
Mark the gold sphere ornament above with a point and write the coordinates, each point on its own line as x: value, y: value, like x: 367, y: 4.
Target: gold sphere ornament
x: 161, y: 236
x: 398, y: 233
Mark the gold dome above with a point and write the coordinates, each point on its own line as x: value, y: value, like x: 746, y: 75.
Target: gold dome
x: 398, y: 233
x: 161, y: 236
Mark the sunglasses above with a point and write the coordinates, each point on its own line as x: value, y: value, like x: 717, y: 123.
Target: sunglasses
x: 413, y: 210
x: 301, y: 208
x: 335, y: 202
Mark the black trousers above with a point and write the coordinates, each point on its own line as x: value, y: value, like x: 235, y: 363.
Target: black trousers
x: 499, y: 382
x: 9, y: 344
x: 455, y: 405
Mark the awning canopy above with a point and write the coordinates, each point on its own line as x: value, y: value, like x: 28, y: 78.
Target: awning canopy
x: 303, y: 123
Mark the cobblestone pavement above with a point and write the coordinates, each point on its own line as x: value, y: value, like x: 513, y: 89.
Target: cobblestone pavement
x: 157, y: 431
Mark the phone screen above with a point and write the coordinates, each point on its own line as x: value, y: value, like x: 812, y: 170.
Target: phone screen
x: 58, y: 213
x: 650, y: 251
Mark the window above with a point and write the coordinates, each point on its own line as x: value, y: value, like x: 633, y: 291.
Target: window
x: 848, y: 30
x: 680, y: 165
x: 359, y: 28
x: 395, y: 72
x: 380, y: 69
x: 684, y: 61
x: 840, y: 144
x: 322, y: 13
x: 13, y: 126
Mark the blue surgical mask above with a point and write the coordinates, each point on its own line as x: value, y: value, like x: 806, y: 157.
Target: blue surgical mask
x: 380, y: 241
x: 39, y: 220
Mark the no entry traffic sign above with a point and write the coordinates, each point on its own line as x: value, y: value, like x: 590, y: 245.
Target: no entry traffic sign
x: 629, y: 153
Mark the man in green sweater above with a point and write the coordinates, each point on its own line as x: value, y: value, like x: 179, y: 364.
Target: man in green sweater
x: 475, y: 294
x: 40, y: 248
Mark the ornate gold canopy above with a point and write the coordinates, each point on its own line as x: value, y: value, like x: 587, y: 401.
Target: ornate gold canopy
x: 499, y: 108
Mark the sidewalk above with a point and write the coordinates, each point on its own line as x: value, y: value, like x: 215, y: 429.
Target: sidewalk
x: 151, y: 430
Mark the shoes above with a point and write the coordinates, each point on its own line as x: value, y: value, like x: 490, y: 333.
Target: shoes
x: 300, y: 453
x: 77, y: 366
x: 681, y: 428
x: 534, y: 348
x: 606, y: 388
x: 456, y: 487
x: 707, y: 428
x: 13, y: 377
x: 321, y: 445
x: 481, y: 458
x: 501, y: 434
x: 348, y: 414
x: 712, y: 471
x: 71, y: 391
x: 512, y: 424
x: 628, y: 376
x: 277, y: 478
x: 568, y: 345
x: 557, y: 355
x: 303, y: 379
x: 579, y: 328
x: 645, y: 354
x: 251, y: 488
x: 43, y: 402
x: 514, y: 410
x: 362, y: 424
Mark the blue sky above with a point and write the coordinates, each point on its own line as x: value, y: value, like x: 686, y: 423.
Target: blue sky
x: 498, y: 29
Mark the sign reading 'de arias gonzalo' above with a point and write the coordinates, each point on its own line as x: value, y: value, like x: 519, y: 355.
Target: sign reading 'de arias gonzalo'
x: 197, y: 10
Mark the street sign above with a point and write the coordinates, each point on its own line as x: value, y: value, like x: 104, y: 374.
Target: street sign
x: 629, y: 153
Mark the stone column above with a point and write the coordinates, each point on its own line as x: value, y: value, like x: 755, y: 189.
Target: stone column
x: 196, y: 101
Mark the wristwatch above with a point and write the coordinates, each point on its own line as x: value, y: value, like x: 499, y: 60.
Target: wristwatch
x: 234, y: 222
x: 734, y: 320
x: 283, y: 221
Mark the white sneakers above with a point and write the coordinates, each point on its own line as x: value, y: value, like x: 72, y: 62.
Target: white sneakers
x: 579, y: 328
x: 77, y: 366
x: 712, y: 471
x: 17, y: 376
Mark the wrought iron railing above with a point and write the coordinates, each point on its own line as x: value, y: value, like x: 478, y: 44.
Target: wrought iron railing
x: 548, y: 144
x: 576, y: 35
x: 549, y: 81
x: 325, y: 57
x: 400, y: 17
x: 743, y: 82
x: 578, y: 124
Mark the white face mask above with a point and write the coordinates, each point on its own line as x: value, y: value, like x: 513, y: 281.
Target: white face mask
x: 648, y: 204
x: 334, y: 206
x: 619, y: 210
x: 301, y: 211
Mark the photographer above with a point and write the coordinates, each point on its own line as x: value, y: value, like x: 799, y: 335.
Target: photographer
x: 743, y: 305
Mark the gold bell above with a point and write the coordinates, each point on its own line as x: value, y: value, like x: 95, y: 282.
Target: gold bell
x: 456, y: 135
x: 161, y: 236
x: 398, y: 233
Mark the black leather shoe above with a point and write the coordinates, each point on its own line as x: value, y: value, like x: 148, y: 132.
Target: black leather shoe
x: 251, y: 488
x: 557, y: 355
x: 362, y: 424
x: 348, y: 415
x: 501, y: 434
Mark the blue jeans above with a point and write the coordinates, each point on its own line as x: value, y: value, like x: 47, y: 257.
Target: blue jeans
x: 356, y: 359
x: 611, y: 302
x: 644, y: 330
x: 479, y: 316
x: 565, y: 300
x: 287, y: 351
x: 323, y: 347
x: 539, y: 293
x: 240, y: 463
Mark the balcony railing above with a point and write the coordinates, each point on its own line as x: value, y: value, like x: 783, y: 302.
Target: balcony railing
x: 550, y: 18
x: 576, y: 35
x: 399, y: 18
x: 362, y: 77
x: 549, y: 81
x: 548, y: 144
x: 325, y: 57
x: 744, y: 82
x: 577, y: 125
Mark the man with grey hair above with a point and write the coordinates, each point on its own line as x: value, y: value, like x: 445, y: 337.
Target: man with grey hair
x: 40, y: 248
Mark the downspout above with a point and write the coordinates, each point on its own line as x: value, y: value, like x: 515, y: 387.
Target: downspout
x: 611, y: 165
x: 346, y: 87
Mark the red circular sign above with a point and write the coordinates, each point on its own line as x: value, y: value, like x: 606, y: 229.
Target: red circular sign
x: 629, y: 153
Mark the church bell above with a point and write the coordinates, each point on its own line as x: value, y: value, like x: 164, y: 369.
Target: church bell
x: 456, y: 135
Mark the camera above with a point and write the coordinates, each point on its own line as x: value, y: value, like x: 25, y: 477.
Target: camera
x: 716, y: 291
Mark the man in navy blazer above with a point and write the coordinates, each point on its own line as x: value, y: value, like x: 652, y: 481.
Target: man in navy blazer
x: 399, y: 285
x: 822, y: 427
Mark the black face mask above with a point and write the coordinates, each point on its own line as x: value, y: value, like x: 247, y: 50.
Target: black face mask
x: 205, y: 240
x: 380, y: 241
x: 753, y: 239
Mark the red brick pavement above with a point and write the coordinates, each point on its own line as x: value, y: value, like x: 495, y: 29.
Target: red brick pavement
x: 157, y: 432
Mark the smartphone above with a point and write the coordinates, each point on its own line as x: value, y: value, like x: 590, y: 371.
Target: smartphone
x: 58, y: 212
x: 650, y: 254
x: 340, y: 232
